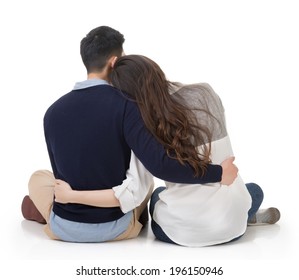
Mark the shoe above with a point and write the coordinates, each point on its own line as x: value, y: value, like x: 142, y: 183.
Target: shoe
x: 30, y: 211
x: 265, y: 216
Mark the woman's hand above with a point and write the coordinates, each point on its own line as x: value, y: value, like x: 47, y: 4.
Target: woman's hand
x: 63, y: 191
x: 99, y: 198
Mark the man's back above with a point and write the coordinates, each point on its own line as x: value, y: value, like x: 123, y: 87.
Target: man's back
x: 83, y: 131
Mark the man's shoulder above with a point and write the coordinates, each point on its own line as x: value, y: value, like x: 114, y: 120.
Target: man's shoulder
x: 99, y: 95
x: 93, y: 92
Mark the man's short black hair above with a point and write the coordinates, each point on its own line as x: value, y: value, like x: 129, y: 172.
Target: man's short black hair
x: 99, y: 45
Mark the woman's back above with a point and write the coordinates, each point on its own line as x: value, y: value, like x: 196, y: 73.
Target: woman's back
x: 199, y: 215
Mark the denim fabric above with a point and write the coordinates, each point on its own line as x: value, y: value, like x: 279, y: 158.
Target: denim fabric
x: 157, y: 230
x: 257, y: 197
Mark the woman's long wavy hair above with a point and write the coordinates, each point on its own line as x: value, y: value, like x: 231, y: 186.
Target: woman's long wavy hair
x: 166, y: 117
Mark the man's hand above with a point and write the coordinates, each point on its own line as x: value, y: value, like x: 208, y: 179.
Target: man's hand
x: 229, y: 171
x: 62, y: 191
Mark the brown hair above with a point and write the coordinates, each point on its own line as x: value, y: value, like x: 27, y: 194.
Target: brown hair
x: 166, y: 117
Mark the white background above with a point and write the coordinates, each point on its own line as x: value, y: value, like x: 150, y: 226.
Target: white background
x: 246, y: 50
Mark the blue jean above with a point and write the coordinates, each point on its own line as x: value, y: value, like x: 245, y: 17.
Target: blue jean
x: 254, y: 190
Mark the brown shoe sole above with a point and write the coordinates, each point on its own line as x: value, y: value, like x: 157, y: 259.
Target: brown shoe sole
x: 30, y: 211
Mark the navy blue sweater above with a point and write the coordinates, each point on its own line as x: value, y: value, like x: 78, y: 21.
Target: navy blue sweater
x: 90, y: 134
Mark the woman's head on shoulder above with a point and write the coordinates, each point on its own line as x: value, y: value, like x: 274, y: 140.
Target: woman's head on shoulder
x: 138, y: 75
x: 164, y: 115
